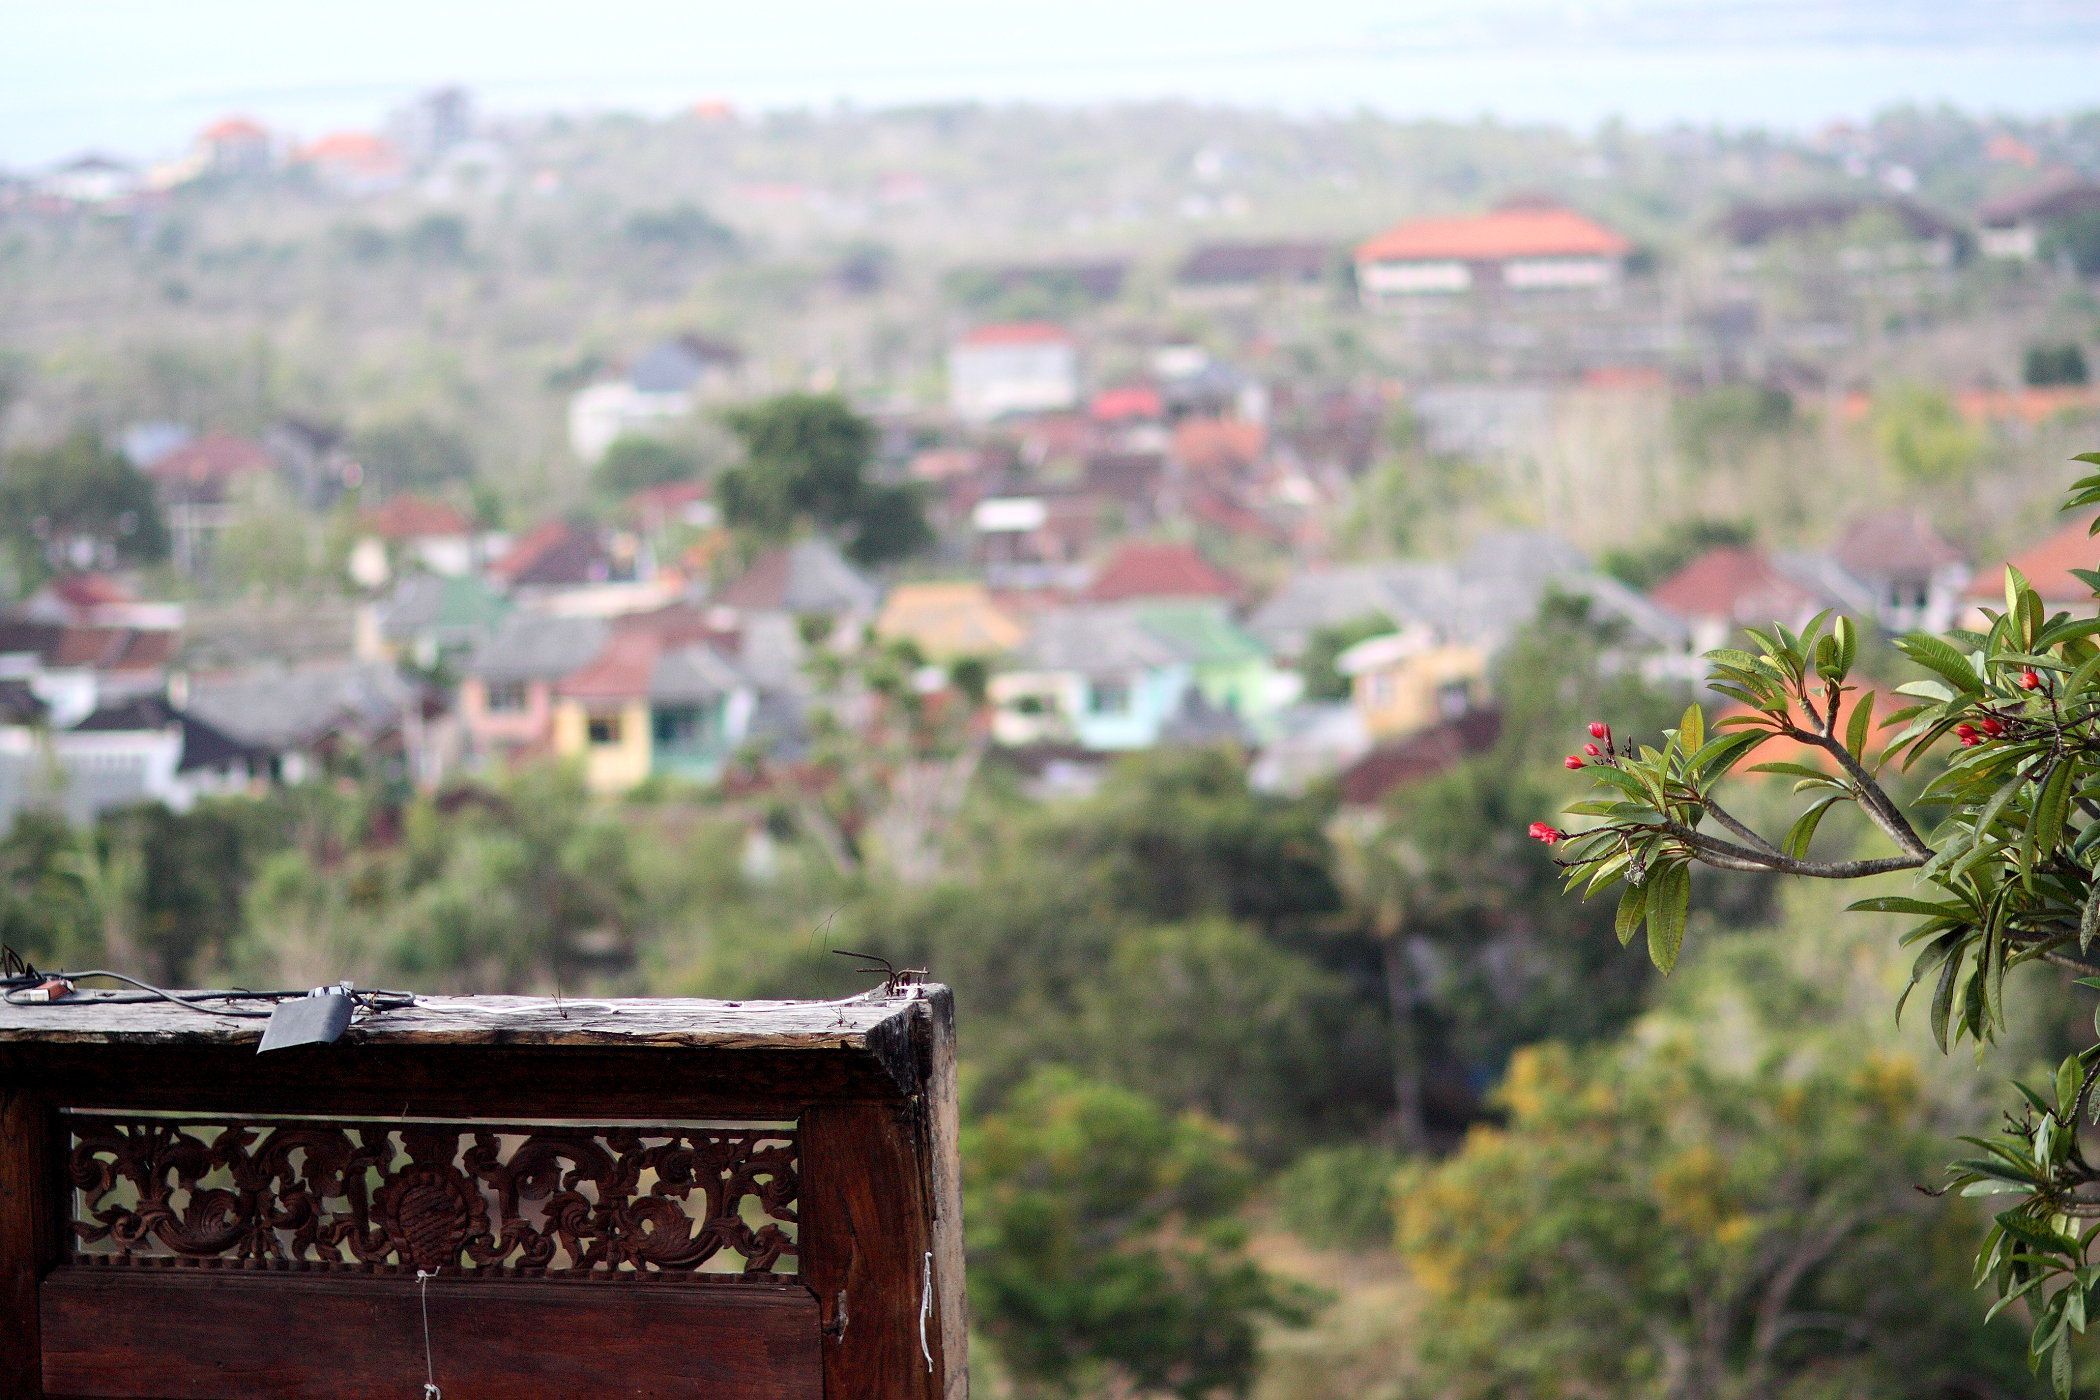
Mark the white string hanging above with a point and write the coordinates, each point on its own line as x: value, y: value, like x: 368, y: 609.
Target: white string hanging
x: 430, y: 1385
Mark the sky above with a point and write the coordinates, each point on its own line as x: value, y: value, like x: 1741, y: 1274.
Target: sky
x: 136, y: 77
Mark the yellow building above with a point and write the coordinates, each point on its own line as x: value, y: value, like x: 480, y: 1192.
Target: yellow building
x: 611, y: 736
x: 948, y: 620
x: 1406, y: 681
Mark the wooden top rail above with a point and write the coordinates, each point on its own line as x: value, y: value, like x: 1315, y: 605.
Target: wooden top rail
x: 854, y: 1023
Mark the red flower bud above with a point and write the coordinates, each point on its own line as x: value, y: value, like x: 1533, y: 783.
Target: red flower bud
x: 1542, y: 832
x: 1965, y: 732
x: 1592, y: 750
x: 1572, y: 761
x: 1970, y: 741
x: 1599, y: 729
x: 2029, y: 680
x: 1993, y: 726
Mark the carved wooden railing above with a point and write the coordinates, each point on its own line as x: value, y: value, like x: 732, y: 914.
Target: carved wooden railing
x: 637, y: 1198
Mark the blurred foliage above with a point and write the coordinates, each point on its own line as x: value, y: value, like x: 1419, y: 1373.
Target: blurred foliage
x: 78, y: 504
x: 1922, y: 438
x: 806, y: 459
x: 1106, y: 1255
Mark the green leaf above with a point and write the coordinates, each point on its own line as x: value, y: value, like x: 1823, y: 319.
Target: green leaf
x: 1936, y: 655
x: 1633, y: 907
x: 2089, y: 919
x: 1861, y: 724
x: 1943, y: 996
x: 1691, y: 729
x: 1790, y: 770
x: 2069, y: 1075
x: 1803, y: 831
x: 1904, y: 904
x: 1669, y: 902
x: 2051, y: 808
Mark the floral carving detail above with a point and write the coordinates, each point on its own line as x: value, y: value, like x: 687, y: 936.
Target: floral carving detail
x: 543, y: 1200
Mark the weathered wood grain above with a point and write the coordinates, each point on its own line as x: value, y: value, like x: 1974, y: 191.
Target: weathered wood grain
x: 197, y: 1336
x: 94, y: 1017
x: 29, y: 1240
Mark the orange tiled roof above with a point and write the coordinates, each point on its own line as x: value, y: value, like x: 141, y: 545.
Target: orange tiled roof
x: 234, y: 129
x: 2047, y: 565
x: 1218, y: 444
x: 1019, y: 333
x: 408, y: 517
x: 1495, y: 237
x: 1734, y: 582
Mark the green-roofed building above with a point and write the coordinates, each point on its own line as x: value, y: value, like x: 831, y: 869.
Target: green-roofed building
x: 1233, y: 671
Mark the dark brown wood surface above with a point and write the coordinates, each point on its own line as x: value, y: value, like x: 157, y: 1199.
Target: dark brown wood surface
x: 187, y: 1335
x: 29, y: 1240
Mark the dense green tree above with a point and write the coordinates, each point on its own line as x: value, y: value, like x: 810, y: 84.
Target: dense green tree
x: 805, y: 464
x: 1649, y: 563
x: 1647, y: 1224
x: 1106, y: 1255
x: 411, y: 453
x: 1322, y: 680
x: 77, y: 503
x: 634, y: 462
x: 2044, y: 366
x: 1922, y: 438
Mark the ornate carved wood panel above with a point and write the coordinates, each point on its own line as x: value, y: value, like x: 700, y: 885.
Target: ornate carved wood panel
x: 671, y: 1202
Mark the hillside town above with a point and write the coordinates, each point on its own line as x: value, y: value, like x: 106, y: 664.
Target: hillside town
x: 1137, y: 532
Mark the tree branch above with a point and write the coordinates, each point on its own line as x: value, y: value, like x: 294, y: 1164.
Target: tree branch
x: 1726, y: 855
x: 1875, y: 802
x: 1728, y: 820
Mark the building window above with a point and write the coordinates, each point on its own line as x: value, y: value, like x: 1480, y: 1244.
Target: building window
x: 688, y: 726
x: 1454, y: 698
x: 1109, y: 698
x: 507, y: 698
x: 604, y: 729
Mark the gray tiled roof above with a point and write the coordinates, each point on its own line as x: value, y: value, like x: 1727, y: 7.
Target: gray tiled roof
x: 693, y: 673
x: 529, y: 646
x: 280, y: 709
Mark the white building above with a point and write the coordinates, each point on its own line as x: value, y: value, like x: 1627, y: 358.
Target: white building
x: 662, y: 387
x: 1014, y: 367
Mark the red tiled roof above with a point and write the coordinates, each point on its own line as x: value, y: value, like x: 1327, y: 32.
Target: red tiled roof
x: 668, y: 497
x: 211, y: 460
x: 1894, y: 543
x: 1218, y: 444
x: 1494, y: 237
x: 409, y: 517
x: 762, y: 585
x: 2048, y: 566
x: 1139, y: 570
x: 1130, y: 401
x: 1209, y: 506
x: 89, y: 590
x: 621, y: 670
x: 111, y: 648
x: 1401, y: 762
x: 1019, y: 333
x: 1735, y: 582
x: 527, y: 549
